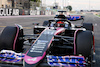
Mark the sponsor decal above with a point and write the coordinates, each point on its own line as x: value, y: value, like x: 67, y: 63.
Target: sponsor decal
x: 39, y: 46
x: 8, y: 12
x: 15, y: 12
x: 33, y: 59
x: 49, y: 32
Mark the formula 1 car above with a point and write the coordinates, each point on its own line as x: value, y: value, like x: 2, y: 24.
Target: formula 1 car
x: 75, y: 17
x: 57, y: 43
x: 72, y: 17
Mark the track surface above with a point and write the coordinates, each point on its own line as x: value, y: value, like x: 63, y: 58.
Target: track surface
x: 26, y: 22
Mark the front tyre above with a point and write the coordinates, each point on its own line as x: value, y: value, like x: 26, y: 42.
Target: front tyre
x: 88, y: 26
x: 84, y: 43
x: 45, y: 23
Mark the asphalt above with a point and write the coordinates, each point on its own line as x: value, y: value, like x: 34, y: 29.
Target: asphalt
x: 27, y: 22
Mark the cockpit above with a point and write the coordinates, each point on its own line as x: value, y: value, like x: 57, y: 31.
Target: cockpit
x: 60, y: 23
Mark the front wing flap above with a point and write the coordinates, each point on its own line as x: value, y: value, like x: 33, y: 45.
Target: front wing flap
x: 66, y: 60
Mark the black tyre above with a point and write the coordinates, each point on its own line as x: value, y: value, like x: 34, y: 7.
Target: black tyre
x: 84, y: 42
x: 88, y: 26
x: 9, y: 38
x: 45, y: 23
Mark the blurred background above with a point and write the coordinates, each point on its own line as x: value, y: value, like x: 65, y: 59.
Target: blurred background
x: 50, y: 7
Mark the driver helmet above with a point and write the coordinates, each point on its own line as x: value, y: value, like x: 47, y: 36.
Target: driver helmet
x: 60, y: 24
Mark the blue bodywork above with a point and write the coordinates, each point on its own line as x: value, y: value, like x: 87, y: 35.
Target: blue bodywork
x: 71, y: 17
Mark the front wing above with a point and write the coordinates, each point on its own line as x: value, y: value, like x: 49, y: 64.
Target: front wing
x: 66, y: 60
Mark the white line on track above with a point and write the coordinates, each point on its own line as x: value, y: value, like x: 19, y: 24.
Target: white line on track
x: 23, y: 27
x: 27, y: 16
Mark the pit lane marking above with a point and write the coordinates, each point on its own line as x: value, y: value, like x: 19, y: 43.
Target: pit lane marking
x: 23, y: 27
